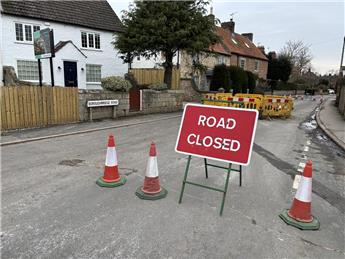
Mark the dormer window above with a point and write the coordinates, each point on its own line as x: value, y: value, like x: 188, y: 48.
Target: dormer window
x: 24, y: 32
x: 90, y: 40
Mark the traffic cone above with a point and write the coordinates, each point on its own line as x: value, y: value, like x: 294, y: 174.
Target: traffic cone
x: 299, y: 214
x: 111, y: 176
x: 151, y: 190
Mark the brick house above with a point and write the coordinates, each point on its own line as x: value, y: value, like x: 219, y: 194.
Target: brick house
x: 235, y: 49
x: 83, y: 32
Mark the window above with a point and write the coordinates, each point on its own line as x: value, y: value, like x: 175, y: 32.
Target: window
x: 90, y: 40
x: 27, y: 70
x: 257, y: 65
x: 234, y: 41
x: 243, y: 63
x: 24, y: 32
x: 93, y: 73
x: 84, y: 40
x: 221, y: 60
x: 247, y: 45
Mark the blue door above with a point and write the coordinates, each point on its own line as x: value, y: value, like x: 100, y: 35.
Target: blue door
x: 70, y: 72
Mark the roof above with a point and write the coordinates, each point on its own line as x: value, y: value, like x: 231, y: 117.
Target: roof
x: 62, y: 44
x: 96, y: 14
x: 236, y: 44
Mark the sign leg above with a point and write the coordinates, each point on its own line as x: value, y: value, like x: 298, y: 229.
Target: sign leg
x: 185, y: 178
x: 240, y: 175
x: 206, y: 172
x: 225, y: 189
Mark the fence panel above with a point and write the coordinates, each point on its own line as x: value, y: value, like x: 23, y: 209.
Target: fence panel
x: 146, y: 76
x: 33, y: 106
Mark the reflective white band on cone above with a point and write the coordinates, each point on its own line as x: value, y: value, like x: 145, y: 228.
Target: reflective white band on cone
x: 152, y: 167
x: 111, y: 159
x: 304, y: 190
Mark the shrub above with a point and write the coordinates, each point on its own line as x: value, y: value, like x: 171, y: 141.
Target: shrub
x: 251, y: 81
x: 116, y: 83
x: 239, y: 79
x: 220, y: 78
x: 130, y: 77
x: 158, y: 86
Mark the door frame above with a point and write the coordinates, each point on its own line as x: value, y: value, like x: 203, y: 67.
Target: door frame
x: 64, y: 78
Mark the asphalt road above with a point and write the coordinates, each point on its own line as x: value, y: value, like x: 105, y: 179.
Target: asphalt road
x: 52, y: 208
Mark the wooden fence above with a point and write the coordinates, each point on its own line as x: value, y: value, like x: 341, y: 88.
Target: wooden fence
x: 34, y: 106
x: 146, y: 76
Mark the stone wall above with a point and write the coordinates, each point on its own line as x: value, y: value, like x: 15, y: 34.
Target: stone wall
x: 152, y: 102
x: 102, y: 112
x: 161, y: 101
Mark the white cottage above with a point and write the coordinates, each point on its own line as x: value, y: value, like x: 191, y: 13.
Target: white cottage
x: 83, y: 32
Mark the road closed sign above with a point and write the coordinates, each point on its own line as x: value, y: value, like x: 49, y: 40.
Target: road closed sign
x: 216, y: 132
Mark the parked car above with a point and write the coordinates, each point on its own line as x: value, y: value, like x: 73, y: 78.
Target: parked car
x: 331, y: 91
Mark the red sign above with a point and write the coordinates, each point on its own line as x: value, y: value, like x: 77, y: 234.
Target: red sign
x: 216, y: 132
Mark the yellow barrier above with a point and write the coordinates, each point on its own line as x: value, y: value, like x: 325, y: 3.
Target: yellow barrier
x: 277, y: 106
x: 268, y: 105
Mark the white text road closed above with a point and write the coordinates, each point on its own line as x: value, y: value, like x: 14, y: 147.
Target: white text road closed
x: 220, y: 133
x: 99, y: 103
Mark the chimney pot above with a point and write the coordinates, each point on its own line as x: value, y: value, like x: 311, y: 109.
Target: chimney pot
x: 248, y: 35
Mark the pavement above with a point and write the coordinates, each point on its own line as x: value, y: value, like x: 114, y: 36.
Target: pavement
x: 51, y: 206
x: 331, y: 122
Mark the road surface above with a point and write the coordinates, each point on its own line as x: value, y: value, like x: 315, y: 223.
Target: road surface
x: 52, y: 208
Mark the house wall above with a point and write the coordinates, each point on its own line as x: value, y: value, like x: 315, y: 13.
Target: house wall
x: 208, y: 60
x: 250, y: 65
x: 153, y: 62
x: 106, y: 56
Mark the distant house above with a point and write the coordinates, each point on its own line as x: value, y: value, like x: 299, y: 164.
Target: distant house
x: 235, y: 49
x: 83, y: 32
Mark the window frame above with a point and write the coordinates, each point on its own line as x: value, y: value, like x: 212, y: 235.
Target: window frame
x: 86, y: 71
x: 88, y: 34
x: 27, y: 60
x: 257, y: 65
x: 23, y: 29
x: 244, y: 64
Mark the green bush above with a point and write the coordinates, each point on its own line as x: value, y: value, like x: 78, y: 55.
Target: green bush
x: 158, y: 86
x: 116, y: 83
x: 251, y: 82
x: 220, y: 78
x: 239, y: 79
x: 130, y: 77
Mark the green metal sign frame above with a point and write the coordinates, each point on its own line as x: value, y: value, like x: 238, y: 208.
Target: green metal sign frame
x: 224, y: 191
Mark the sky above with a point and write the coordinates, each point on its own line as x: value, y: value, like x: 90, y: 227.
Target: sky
x: 317, y: 23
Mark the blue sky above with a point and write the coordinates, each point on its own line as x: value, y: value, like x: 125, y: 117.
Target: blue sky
x: 317, y: 23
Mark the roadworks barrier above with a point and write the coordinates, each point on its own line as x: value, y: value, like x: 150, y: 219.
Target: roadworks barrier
x: 267, y: 105
x: 299, y: 215
x: 111, y: 177
x: 151, y: 190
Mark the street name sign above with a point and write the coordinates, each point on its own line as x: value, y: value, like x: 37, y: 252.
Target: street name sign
x: 99, y: 103
x: 215, y: 132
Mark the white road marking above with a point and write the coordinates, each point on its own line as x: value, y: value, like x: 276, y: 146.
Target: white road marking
x: 296, y: 181
x: 300, y: 169
x: 301, y: 164
x: 306, y: 149
x: 308, y: 142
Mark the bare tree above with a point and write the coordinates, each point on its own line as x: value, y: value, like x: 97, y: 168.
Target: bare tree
x: 299, y: 54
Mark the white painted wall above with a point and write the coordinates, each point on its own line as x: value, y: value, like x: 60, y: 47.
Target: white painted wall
x: 1, y: 70
x: 106, y: 56
x: 142, y: 62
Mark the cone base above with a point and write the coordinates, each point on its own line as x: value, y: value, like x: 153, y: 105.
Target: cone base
x: 120, y: 182
x: 146, y: 196
x: 313, y: 225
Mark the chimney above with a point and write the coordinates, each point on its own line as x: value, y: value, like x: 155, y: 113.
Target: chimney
x: 272, y: 55
x: 211, y: 16
x: 262, y: 49
x: 229, y: 25
x: 248, y: 35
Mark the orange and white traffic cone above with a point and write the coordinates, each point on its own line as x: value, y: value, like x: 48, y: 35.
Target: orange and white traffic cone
x: 299, y: 214
x: 151, y: 190
x: 111, y: 177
